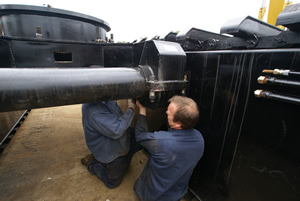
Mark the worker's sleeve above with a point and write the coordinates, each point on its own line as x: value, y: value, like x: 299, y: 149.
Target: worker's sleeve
x: 145, y: 138
x: 111, y: 125
x: 141, y: 125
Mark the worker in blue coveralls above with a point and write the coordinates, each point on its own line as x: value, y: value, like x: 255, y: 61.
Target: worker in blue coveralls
x: 173, y: 153
x: 110, y: 138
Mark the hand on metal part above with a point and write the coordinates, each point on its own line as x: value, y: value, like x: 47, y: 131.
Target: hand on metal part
x: 131, y: 104
x: 142, y: 108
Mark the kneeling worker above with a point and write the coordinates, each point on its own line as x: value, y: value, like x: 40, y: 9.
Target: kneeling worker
x: 110, y: 138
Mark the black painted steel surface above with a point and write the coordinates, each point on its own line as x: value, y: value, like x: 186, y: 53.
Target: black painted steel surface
x: 35, y: 88
x: 50, y: 23
x: 252, y: 139
x: 252, y: 143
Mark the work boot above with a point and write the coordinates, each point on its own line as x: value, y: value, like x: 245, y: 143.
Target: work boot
x: 87, y: 159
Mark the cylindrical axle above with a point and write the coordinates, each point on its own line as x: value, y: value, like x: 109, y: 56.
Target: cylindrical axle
x: 36, y: 88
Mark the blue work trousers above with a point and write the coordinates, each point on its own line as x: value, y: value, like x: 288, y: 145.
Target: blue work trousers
x: 112, y: 173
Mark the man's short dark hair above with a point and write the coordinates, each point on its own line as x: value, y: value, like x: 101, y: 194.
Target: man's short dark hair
x: 187, y: 111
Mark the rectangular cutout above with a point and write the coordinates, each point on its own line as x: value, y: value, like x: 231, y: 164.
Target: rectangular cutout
x: 62, y: 57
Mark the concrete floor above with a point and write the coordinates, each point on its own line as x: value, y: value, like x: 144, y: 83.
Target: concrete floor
x: 42, y: 161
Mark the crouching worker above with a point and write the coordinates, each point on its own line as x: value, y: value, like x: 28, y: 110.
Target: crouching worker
x: 173, y: 153
x: 110, y: 138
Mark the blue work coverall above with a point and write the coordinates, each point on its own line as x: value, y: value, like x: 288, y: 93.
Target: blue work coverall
x: 111, y: 140
x: 173, y: 156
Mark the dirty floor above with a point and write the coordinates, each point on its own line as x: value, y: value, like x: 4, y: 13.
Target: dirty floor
x: 42, y: 161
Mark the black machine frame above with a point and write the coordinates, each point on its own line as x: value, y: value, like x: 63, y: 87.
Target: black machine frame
x: 246, y: 86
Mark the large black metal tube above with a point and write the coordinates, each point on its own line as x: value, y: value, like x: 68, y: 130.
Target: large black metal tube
x: 36, y: 88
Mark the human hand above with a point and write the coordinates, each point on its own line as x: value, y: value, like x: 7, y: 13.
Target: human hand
x: 131, y: 104
x: 141, y: 107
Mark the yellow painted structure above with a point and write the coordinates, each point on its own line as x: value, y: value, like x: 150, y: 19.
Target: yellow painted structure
x: 275, y: 7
